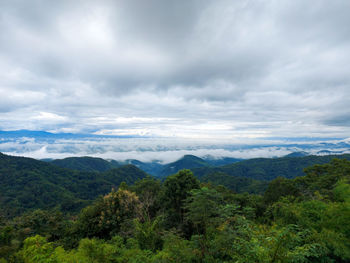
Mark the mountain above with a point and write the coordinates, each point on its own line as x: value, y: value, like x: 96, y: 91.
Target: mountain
x: 24, y: 133
x: 238, y: 184
x: 152, y: 168
x: 86, y: 164
x: 297, y: 154
x: 268, y: 169
x: 30, y: 184
x: 220, y: 161
x: 186, y: 162
x: 157, y: 169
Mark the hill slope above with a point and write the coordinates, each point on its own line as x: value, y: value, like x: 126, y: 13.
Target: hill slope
x: 268, y: 169
x: 221, y: 161
x: 86, y: 164
x: 186, y: 162
x: 152, y: 168
x: 26, y: 183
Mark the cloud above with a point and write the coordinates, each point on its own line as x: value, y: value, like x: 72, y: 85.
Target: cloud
x: 185, y: 69
x: 165, y: 150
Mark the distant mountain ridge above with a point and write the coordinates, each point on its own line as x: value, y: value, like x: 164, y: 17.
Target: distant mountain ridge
x: 297, y: 154
x: 93, y: 164
x: 28, y: 183
x: 86, y: 164
x: 221, y: 161
x: 154, y: 168
x: 289, y: 166
x: 186, y: 162
x: 269, y: 168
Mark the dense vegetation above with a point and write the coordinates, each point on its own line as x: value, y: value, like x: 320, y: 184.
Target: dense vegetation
x: 86, y: 164
x: 28, y: 184
x: 238, y: 184
x: 187, y: 162
x: 305, y: 219
x: 269, y: 168
x: 263, y: 169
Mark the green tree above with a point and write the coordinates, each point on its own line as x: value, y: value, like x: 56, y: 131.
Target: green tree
x: 278, y: 188
x: 148, y: 234
x: 107, y: 216
x: 149, y: 191
x: 203, y: 208
x: 177, y: 250
x: 37, y: 250
x: 177, y: 188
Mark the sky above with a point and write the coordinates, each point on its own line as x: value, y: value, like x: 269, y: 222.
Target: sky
x: 187, y: 69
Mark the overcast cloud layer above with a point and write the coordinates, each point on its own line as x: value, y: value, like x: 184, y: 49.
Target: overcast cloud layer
x: 186, y: 69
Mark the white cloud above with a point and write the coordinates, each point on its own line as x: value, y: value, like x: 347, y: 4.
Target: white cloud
x: 186, y: 69
x: 48, y: 116
x: 164, y: 150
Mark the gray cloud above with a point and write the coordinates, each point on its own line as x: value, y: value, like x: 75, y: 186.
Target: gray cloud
x: 213, y: 69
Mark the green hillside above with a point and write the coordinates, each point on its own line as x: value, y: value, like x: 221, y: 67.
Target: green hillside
x: 238, y: 184
x: 186, y: 162
x: 221, y: 161
x: 152, y: 168
x: 269, y: 168
x: 86, y: 164
x: 28, y: 184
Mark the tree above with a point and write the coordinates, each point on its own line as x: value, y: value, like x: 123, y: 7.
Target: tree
x: 203, y: 206
x: 107, y: 215
x: 177, y: 188
x: 278, y: 188
x: 149, y: 191
x: 148, y: 234
x: 37, y: 250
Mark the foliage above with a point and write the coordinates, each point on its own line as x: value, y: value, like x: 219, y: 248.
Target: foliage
x: 269, y: 168
x: 148, y: 234
x: 86, y: 164
x: 177, y: 188
x: 27, y: 184
x: 305, y: 219
x: 204, y: 206
x: 187, y: 162
x: 107, y: 215
x: 149, y: 191
x: 236, y: 183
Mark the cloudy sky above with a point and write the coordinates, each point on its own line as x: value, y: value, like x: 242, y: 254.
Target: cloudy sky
x: 219, y: 70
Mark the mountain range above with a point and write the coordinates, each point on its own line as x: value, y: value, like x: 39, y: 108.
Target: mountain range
x: 71, y: 183
x: 290, y: 166
x: 250, y: 175
x: 93, y: 164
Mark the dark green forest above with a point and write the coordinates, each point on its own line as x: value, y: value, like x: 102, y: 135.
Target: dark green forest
x: 86, y: 164
x: 260, y: 212
x: 27, y: 184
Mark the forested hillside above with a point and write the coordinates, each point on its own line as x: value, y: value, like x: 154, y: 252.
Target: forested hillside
x: 305, y: 219
x: 258, y: 169
x: 186, y: 162
x: 269, y: 168
x: 238, y: 184
x: 86, y: 164
x: 27, y: 184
